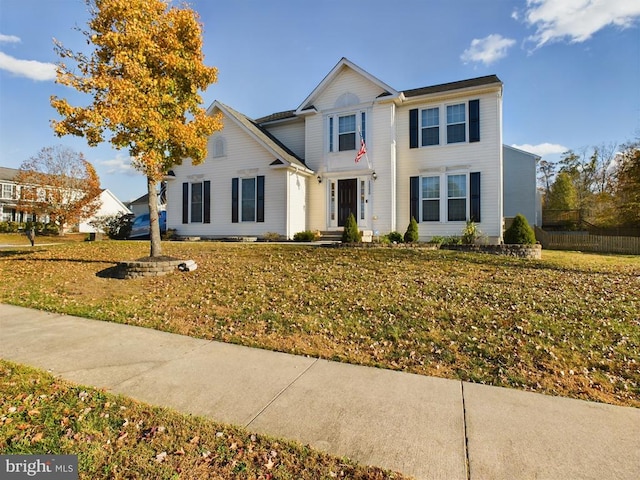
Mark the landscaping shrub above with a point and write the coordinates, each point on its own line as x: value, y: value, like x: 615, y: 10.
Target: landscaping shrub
x: 9, y: 227
x: 170, y: 234
x: 117, y: 226
x: 520, y: 232
x: 351, y: 233
x: 271, y: 237
x: 411, y: 235
x: 395, y: 237
x: 437, y: 240
x: 306, y: 236
x: 470, y: 233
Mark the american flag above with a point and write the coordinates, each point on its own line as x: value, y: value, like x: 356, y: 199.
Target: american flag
x: 363, y: 150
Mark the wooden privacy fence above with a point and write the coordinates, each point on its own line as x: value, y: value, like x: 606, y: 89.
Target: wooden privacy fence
x: 588, y: 243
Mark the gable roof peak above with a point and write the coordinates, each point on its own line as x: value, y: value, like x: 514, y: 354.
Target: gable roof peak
x: 277, y: 148
x: 343, y: 63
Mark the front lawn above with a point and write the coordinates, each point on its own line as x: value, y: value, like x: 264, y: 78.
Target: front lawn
x: 565, y: 325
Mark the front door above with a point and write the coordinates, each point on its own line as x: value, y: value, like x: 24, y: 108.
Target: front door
x: 347, y: 199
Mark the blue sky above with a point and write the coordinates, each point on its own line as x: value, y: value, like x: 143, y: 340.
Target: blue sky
x: 571, y: 68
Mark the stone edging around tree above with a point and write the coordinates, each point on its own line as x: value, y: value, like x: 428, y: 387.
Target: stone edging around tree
x: 149, y: 267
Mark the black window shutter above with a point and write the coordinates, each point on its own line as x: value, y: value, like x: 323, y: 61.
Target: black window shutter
x: 413, y: 128
x: 475, y: 196
x: 414, y: 198
x: 206, y: 200
x: 234, y: 200
x: 474, y: 120
x: 185, y: 202
x: 260, y: 198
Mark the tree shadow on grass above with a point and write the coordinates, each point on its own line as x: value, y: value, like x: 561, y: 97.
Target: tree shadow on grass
x: 13, y: 253
x: 111, y: 272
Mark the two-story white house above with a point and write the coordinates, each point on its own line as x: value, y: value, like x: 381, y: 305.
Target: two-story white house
x: 433, y: 153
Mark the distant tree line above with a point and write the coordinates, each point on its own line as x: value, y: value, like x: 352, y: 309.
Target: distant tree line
x: 600, y: 185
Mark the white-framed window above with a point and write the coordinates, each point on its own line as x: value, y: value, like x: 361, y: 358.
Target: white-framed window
x: 444, y: 197
x: 196, y: 202
x: 456, y: 123
x: 431, y: 199
x: 457, y: 198
x: 248, y: 199
x: 346, y: 133
x: 430, y: 126
x: 444, y: 124
x: 8, y: 191
x: 344, y: 130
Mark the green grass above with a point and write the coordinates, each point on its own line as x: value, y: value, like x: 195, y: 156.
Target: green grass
x: 565, y: 325
x: 115, y: 437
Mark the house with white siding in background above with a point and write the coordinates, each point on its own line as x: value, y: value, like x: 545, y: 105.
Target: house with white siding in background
x: 433, y: 153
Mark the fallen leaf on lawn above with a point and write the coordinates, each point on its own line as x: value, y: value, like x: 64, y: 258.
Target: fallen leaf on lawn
x: 161, y: 457
x: 37, y: 437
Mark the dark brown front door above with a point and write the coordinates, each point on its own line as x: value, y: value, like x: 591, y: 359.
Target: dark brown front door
x: 347, y: 199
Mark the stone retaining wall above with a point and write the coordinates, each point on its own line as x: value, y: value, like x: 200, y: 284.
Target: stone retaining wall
x: 520, y: 251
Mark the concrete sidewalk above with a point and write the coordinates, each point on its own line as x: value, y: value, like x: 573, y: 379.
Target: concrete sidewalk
x: 429, y: 428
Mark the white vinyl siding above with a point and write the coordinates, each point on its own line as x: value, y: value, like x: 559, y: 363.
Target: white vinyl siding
x: 445, y: 159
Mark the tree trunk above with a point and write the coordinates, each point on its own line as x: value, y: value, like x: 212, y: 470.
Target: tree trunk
x: 154, y: 224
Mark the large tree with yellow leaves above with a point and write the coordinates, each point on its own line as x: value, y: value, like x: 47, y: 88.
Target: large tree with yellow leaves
x: 145, y: 74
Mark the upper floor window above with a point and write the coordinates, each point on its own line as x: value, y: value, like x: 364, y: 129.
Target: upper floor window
x: 8, y: 191
x: 456, y: 123
x: 462, y: 123
x: 431, y: 126
x: 347, y: 133
x: 344, y: 131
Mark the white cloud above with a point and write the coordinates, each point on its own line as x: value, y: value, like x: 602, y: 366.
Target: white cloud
x: 28, y: 68
x: 577, y: 20
x: 542, y: 149
x: 9, y: 39
x: 487, y: 50
x: 119, y: 165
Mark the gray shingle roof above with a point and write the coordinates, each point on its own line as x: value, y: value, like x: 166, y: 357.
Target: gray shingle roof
x: 8, y: 173
x: 278, y: 147
x: 446, y: 87
x: 276, y: 116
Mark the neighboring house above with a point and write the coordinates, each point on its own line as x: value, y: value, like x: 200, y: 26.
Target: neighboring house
x: 520, y: 191
x: 434, y: 153
x: 140, y: 206
x: 109, y: 206
x: 9, y: 196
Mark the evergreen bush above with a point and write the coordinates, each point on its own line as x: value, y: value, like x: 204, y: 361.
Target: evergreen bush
x: 520, y: 232
x: 351, y: 233
x: 411, y: 235
x: 395, y: 237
